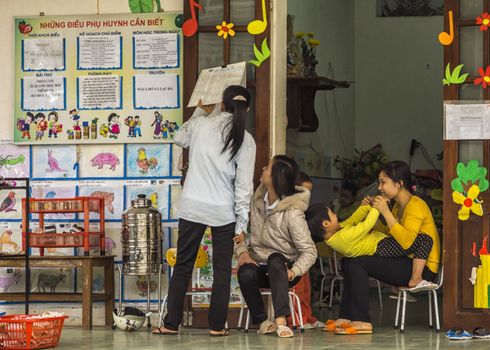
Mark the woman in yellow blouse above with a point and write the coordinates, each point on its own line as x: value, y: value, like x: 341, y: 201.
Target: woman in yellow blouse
x: 409, y: 218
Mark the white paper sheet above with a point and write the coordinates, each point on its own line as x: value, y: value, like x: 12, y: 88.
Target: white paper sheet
x: 466, y: 121
x: 43, y: 54
x: 213, y: 81
x: 156, y: 91
x: 156, y: 51
x: 99, y: 92
x: 43, y: 93
x: 99, y: 52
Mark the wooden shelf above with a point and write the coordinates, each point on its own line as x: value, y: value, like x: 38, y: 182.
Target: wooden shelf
x: 301, y: 93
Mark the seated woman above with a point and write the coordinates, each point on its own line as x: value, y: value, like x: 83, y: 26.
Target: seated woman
x: 356, y: 237
x: 280, y: 248
x: 409, y: 218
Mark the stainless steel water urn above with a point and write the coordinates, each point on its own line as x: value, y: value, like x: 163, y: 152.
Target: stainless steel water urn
x: 141, y: 238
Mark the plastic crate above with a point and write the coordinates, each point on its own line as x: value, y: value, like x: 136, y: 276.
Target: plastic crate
x: 25, y: 332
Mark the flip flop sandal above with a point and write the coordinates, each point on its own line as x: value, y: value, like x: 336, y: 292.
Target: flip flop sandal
x: 284, y: 329
x: 423, y: 285
x: 267, y: 327
x: 159, y: 331
x: 329, y: 326
x: 224, y: 333
x: 481, y: 333
x: 347, y: 329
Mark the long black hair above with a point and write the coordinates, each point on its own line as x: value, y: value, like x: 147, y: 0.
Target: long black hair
x: 236, y: 100
x: 284, y: 175
x: 315, y: 215
x: 399, y: 172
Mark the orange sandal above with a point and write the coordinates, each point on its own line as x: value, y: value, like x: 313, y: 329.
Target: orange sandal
x: 347, y: 329
x: 329, y: 326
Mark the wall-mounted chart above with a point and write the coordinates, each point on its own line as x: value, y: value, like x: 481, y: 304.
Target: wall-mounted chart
x: 94, y: 80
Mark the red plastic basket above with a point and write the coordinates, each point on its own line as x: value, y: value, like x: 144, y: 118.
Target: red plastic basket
x: 26, y: 332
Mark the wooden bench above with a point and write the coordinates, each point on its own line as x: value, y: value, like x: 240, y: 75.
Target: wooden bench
x: 86, y: 264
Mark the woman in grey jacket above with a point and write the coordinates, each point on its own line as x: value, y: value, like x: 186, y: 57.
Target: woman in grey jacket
x: 280, y: 248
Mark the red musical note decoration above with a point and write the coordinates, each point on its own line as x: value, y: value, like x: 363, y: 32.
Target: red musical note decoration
x: 190, y: 26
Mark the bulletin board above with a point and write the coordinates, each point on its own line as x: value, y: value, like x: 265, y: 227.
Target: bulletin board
x: 98, y: 79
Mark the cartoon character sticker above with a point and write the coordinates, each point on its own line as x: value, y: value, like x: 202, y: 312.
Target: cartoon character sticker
x: 53, y: 125
x: 114, y: 125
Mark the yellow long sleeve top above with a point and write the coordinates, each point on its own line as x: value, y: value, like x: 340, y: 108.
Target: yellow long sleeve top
x: 356, y: 238
x: 416, y: 219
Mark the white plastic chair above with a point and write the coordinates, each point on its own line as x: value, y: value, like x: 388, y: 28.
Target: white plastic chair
x: 294, y: 315
x: 402, y: 296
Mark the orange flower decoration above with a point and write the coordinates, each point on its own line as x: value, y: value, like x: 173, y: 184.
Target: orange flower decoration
x: 484, y: 21
x: 484, y: 78
x: 225, y: 29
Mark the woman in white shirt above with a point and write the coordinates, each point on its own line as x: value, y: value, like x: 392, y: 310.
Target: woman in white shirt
x: 217, y: 192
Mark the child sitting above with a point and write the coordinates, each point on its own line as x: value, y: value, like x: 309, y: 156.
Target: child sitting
x: 356, y: 237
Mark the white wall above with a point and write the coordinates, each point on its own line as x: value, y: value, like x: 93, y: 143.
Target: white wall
x: 332, y: 21
x: 399, y: 68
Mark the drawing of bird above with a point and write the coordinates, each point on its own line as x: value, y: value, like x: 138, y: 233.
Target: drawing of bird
x: 143, y: 285
x: 50, y: 194
x: 154, y: 199
x: 145, y: 164
x: 6, y: 238
x: 8, y: 203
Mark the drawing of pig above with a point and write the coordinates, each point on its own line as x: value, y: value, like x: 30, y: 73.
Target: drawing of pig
x: 105, y: 158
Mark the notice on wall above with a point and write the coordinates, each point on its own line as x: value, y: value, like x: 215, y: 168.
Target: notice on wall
x: 156, y: 91
x: 43, y: 93
x: 156, y: 51
x: 100, y: 52
x: 106, y: 79
x: 213, y: 81
x: 466, y: 121
x: 99, y: 92
x: 43, y: 54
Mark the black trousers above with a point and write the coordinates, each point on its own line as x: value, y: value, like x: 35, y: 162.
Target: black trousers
x: 190, y: 236
x: 356, y: 271
x: 274, y: 275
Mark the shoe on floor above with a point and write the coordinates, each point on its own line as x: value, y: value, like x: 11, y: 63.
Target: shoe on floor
x: 410, y: 298
x: 481, y: 333
x: 314, y: 325
x: 460, y: 334
x: 450, y: 332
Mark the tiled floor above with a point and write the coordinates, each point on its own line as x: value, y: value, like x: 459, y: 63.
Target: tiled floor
x: 417, y: 336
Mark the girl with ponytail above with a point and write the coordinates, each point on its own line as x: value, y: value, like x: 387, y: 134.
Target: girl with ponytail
x: 217, y: 193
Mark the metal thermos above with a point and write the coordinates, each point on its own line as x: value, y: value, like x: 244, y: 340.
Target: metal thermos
x: 141, y: 238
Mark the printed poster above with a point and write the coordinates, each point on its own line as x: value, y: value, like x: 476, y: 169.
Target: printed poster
x: 102, y: 79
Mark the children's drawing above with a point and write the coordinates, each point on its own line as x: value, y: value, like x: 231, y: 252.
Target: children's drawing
x: 142, y: 286
x: 43, y: 192
x: 105, y: 158
x: 177, y: 160
x: 7, y: 244
x: 48, y: 281
x: 14, y: 161
x: 113, y: 198
x: 148, y: 160
x: 54, y: 161
x: 9, y: 278
x: 11, y: 204
x: 8, y: 203
x: 101, y: 160
x: 158, y: 193
x: 175, y: 193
